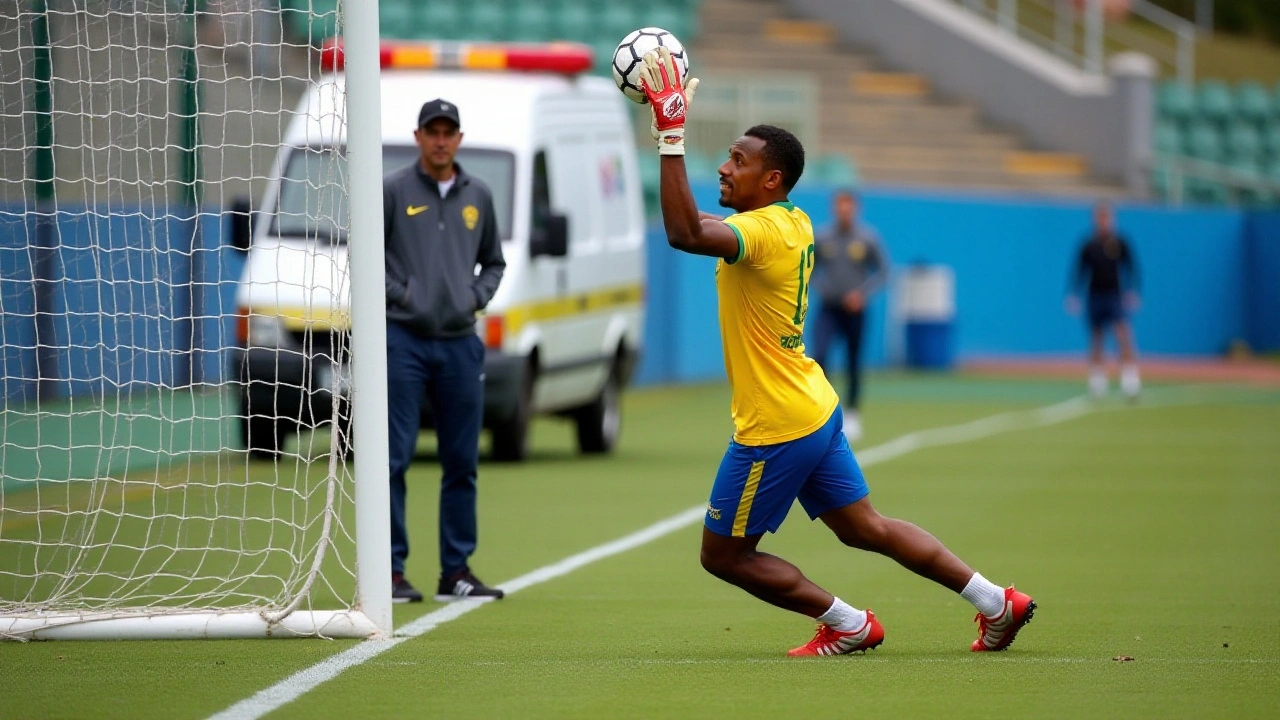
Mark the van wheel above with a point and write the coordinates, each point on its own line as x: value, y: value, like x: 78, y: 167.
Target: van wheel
x: 511, y: 436
x: 600, y: 423
x: 262, y: 436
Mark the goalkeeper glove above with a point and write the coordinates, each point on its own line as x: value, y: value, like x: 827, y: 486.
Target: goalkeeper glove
x: 669, y: 98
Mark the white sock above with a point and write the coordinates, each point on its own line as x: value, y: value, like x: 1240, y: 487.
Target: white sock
x: 1097, y: 381
x: 985, y: 595
x: 846, y: 618
x: 1130, y: 382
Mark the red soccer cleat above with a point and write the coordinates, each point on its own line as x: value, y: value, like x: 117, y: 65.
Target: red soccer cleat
x: 997, y: 633
x: 829, y: 641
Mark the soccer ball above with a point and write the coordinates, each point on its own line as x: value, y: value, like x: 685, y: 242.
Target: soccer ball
x: 629, y: 56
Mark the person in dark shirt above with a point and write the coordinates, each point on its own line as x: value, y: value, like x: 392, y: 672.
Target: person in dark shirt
x: 1106, y: 267
x: 440, y: 226
x: 851, y: 267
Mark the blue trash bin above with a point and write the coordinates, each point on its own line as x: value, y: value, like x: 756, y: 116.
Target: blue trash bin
x: 929, y: 315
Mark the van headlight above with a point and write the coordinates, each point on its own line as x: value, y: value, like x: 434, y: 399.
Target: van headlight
x: 269, y: 331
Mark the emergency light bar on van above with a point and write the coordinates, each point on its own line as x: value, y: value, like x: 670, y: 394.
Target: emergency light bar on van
x: 567, y: 57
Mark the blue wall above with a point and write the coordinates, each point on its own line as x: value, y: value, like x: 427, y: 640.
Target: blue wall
x: 1208, y: 276
x: 1262, y: 281
x: 121, y: 301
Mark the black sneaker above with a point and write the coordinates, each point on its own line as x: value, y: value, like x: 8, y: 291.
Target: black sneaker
x: 402, y: 591
x: 465, y: 586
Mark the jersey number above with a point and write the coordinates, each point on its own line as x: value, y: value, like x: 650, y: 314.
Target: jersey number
x: 802, y: 292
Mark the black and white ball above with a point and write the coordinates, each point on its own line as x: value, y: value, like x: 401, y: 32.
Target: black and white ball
x: 628, y: 58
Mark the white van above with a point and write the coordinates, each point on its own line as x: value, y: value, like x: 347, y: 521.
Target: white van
x: 564, y: 331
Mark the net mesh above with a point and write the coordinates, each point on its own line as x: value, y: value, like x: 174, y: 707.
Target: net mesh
x: 130, y: 128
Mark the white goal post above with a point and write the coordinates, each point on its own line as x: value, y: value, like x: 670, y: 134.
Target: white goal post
x: 130, y: 506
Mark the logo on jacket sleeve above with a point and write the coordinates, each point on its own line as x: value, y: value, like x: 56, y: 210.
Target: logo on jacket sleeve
x: 470, y: 216
x: 414, y: 210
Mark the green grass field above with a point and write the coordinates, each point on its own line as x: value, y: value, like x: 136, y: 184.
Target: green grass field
x: 1148, y: 531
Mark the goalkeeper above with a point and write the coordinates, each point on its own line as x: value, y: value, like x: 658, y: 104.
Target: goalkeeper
x: 787, y: 441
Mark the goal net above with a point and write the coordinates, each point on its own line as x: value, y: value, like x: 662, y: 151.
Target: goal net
x: 175, y: 440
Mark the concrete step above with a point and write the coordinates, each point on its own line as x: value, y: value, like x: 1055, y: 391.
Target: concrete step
x: 1084, y: 189
x: 948, y: 156
x: 959, y: 176
x: 919, y: 119
x: 840, y: 137
x: 759, y: 51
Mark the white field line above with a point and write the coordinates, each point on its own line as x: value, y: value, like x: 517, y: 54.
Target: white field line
x: 303, y: 681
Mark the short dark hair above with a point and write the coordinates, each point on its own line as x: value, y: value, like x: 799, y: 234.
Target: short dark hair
x: 782, y: 151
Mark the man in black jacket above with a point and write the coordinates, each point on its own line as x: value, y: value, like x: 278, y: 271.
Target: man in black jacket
x: 440, y: 224
x: 1107, y: 267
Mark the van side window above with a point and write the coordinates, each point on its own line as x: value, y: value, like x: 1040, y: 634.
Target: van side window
x: 541, y: 196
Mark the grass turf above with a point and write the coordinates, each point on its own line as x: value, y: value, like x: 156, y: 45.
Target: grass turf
x: 1142, y: 531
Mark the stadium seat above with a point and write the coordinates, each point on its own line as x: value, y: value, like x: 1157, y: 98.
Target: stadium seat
x: 442, y: 20
x: 1175, y: 101
x: 602, y: 53
x: 312, y: 22
x: 616, y: 19
x: 1207, y: 192
x: 486, y: 20
x: 531, y: 21
x: 574, y: 21
x: 1203, y: 142
x: 700, y: 168
x: 1243, y: 144
x: 1253, y: 102
x: 397, y: 19
x: 1214, y: 101
x: 1271, y: 140
x: 835, y: 170
x: 1167, y: 138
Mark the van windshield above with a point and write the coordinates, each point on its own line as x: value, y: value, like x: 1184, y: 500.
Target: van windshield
x: 313, y: 190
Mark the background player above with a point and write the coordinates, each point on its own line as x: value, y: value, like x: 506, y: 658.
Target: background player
x: 787, y: 441
x: 852, y: 266
x: 1107, y: 266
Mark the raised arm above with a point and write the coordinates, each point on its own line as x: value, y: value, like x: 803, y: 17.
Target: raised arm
x: 687, y: 229
x: 669, y: 99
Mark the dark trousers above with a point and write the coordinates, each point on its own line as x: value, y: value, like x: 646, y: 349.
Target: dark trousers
x: 838, y: 321
x: 448, y: 373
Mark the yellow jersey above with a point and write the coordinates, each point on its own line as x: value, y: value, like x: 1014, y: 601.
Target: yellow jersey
x: 779, y: 393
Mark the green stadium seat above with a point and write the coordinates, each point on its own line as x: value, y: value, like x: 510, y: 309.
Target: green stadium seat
x: 1243, y: 144
x: 602, y: 53
x: 701, y: 168
x: 486, y: 20
x: 397, y: 19
x: 1253, y: 102
x: 531, y: 21
x: 616, y: 19
x: 1204, y: 142
x: 836, y: 170
x: 1271, y: 140
x: 1214, y: 101
x: 575, y: 21
x: 442, y: 20
x: 1167, y: 138
x: 310, y: 22
x: 1175, y: 101
x: 1207, y: 192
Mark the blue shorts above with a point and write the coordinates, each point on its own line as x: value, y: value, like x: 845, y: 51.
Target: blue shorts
x: 756, y: 485
x: 1104, y: 310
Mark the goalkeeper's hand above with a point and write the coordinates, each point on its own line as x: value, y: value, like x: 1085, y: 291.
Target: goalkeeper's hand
x: 669, y: 98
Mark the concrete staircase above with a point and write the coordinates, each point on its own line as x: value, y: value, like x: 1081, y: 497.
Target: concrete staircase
x: 891, y: 124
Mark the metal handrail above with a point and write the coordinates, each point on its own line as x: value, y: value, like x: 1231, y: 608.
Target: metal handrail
x: 1081, y: 38
x: 1182, y: 168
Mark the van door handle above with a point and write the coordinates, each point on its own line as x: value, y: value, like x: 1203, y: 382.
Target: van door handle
x: 562, y: 280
